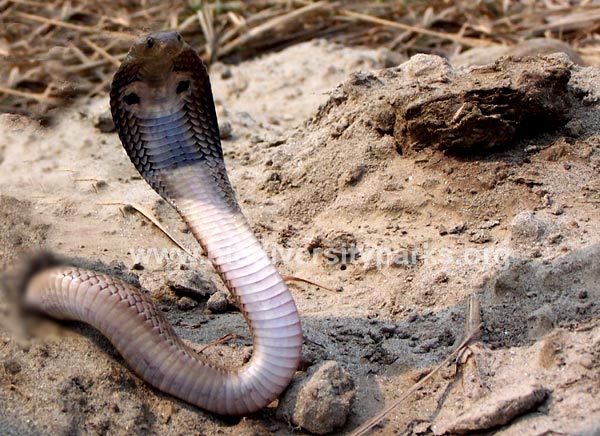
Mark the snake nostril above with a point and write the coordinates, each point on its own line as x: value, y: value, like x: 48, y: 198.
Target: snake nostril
x: 131, y: 98
x: 178, y: 37
x: 182, y: 86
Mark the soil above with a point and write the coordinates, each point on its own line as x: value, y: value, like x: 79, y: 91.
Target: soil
x: 402, y: 239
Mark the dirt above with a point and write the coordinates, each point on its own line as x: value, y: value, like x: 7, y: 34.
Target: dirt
x: 402, y: 240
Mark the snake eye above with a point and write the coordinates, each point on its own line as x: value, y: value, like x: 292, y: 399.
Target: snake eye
x: 150, y: 42
x: 131, y: 98
x: 178, y: 37
x: 182, y: 86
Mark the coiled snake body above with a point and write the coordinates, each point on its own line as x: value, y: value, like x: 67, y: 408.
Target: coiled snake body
x: 163, y: 108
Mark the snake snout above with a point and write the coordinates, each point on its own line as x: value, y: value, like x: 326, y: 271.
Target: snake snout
x: 159, y: 45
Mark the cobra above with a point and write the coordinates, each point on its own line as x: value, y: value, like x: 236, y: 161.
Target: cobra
x: 162, y: 105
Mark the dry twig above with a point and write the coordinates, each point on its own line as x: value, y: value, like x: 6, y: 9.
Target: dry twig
x: 157, y: 224
x: 98, y: 34
x: 228, y: 337
x: 308, y: 282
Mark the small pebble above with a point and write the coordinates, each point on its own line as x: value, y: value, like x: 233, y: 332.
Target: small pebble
x: 388, y: 330
x: 441, y: 277
x: 189, y: 282
x: 186, y: 303
x: 226, y: 73
x: 12, y: 367
x: 480, y: 236
x: 105, y: 123
x: 217, y: 303
x: 574, y: 128
x: 540, y: 322
x: 555, y: 238
x: 457, y: 229
x: 527, y: 228
x: 587, y: 362
x: 225, y: 130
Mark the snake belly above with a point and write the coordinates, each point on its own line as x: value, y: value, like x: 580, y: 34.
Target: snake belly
x: 162, y: 105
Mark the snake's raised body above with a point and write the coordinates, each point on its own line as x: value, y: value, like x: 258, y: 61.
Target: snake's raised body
x: 163, y: 108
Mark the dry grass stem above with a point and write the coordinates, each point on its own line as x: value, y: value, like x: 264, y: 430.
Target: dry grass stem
x: 39, y: 97
x: 271, y: 24
x: 150, y: 217
x: 468, y: 42
x: 308, y: 282
x: 98, y: 34
x: 228, y: 337
x: 102, y: 52
x: 83, y: 29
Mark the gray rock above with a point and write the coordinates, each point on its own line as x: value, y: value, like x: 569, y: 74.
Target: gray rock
x: 190, y: 281
x: 217, y: 303
x: 105, y: 123
x: 574, y: 128
x: 498, y: 409
x: 320, y: 400
x: 186, y: 303
x: 527, y: 228
x: 12, y: 366
x: 457, y: 229
x: 225, y: 130
x: 540, y: 322
x: 480, y: 236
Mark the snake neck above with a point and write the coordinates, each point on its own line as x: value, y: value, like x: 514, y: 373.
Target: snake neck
x: 155, y: 74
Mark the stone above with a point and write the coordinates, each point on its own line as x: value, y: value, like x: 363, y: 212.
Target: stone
x: 12, y: 367
x: 191, y: 282
x: 527, y: 228
x: 574, y: 128
x: 540, y: 322
x: 225, y: 130
x: 104, y: 123
x: 320, y: 400
x: 217, y: 303
x: 480, y: 236
x: 186, y: 303
x: 497, y: 409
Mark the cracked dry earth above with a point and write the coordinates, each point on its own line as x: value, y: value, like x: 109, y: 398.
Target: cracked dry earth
x: 316, y: 142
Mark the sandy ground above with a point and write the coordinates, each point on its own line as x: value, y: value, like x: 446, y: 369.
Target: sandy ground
x: 312, y: 175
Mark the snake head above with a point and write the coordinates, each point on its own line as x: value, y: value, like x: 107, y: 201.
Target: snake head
x: 160, y: 45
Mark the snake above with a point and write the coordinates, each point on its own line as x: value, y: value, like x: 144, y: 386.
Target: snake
x: 163, y: 108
